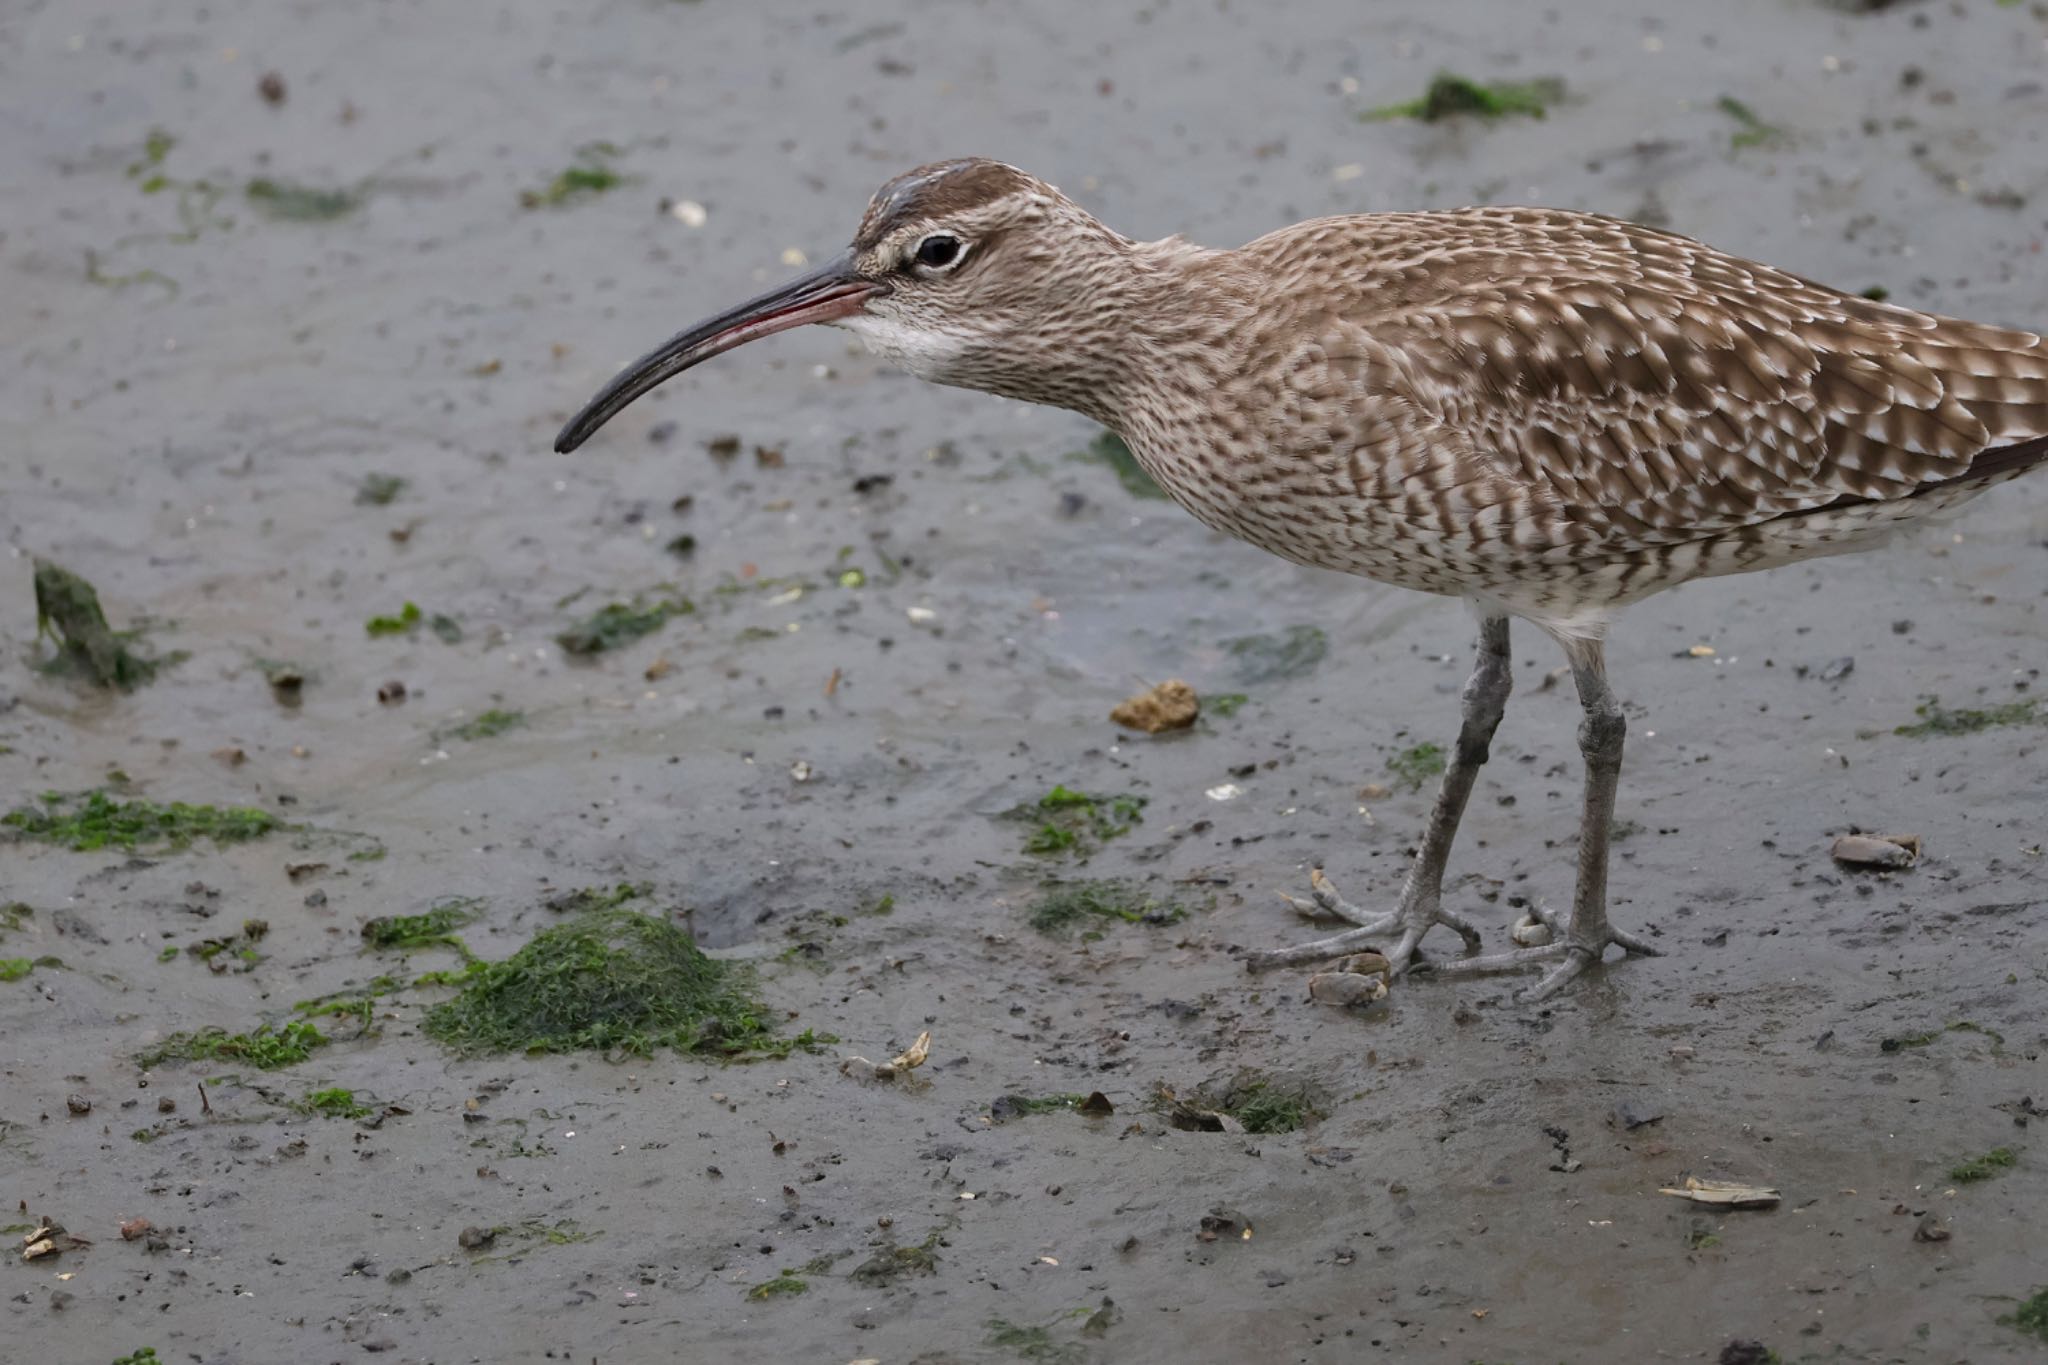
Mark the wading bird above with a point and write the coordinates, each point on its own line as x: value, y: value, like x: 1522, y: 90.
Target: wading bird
x: 1549, y: 414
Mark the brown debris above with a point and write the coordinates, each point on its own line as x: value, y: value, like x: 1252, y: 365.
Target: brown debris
x: 1880, y: 851
x: 902, y: 1063
x: 1733, y: 1194
x: 1191, y: 1118
x: 1172, y: 705
x: 1360, y: 979
x: 50, y: 1239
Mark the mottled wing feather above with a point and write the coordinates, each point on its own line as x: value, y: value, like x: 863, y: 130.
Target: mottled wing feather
x: 1642, y: 389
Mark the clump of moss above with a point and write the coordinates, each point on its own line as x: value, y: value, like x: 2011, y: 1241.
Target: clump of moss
x: 265, y: 1048
x: 1271, y: 1113
x: 233, y: 950
x: 401, y: 622
x: 1268, y: 658
x: 1034, y: 1343
x: 95, y: 820
x: 434, y: 927
x: 561, y: 1232
x: 379, y: 490
x: 1226, y: 705
x: 893, y: 1261
x: 406, y: 620
x: 1266, y: 1103
x: 142, y: 1355
x: 1451, y: 96
x: 1994, y: 1162
x: 1067, y: 905
x: 1927, y: 1036
x: 1754, y: 132
x: 13, y: 915
x: 296, y: 203
x: 2031, y: 1317
x: 786, y: 1284
x: 15, y: 968
x: 488, y: 724
x: 1416, y: 765
x: 1070, y: 821
x: 1935, y: 719
x: 68, y: 611
x: 1109, y: 450
x: 1007, y: 1107
x: 337, y: 1103
x: 589, y: 176
x: 610, y: 980
x: 588, y: 898
x: 621, y: 623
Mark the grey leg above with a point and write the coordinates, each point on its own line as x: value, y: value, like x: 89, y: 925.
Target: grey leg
x: 1485, y: 698
x: 1585, y: 939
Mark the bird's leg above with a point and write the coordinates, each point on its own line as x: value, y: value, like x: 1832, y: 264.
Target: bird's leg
x: 1484, y: 699
x: 1586, y: 937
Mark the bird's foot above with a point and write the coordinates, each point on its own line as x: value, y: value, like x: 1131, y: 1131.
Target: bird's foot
x: 1571, y: 953
x: 1417, y: 914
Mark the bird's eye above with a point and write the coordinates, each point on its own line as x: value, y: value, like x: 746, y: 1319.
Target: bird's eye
x: 938, y: 250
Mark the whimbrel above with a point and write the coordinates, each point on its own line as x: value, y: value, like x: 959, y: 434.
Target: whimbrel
x: 1549, y: 414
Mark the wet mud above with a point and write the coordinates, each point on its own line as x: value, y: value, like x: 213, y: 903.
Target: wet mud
x: 297, y: 297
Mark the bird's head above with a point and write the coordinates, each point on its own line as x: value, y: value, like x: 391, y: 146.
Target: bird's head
x: 970, y: 273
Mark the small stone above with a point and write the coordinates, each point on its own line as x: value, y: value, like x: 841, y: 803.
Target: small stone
x: 1879, y: 851
x: 166, y: 1105
x: 391, y: 693
x: 1632, y: 1114
x: 136, y: 1227
x: 79, y: 1105
x: 1931, y: 1230
x: 473, y: 1239
x: 1740, y: 1352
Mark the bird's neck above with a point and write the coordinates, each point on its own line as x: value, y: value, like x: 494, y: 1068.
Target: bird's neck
x: 1185, y: 309
x: 1144, y: 320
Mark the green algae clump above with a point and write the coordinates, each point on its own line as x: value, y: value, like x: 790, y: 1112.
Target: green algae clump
x: 1065, y: 906
x: 621, y: 623
x: 1451, y: 96
x: 68, y: 611
x: 612, y: 980
x: 265, y: 1048
x: 96, y: 820
x: 434, y: 927
x: 2031, y: 1317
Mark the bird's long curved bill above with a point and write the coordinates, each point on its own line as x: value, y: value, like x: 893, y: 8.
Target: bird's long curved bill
x: 828, y: 293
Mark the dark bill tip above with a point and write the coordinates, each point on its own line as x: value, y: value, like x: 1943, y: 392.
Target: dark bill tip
x: 828, y: 293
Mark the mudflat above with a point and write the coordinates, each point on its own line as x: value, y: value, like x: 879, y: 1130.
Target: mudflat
x: 792, y: 657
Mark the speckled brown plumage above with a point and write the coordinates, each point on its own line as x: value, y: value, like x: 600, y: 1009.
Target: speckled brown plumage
x: 1550, y: 414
